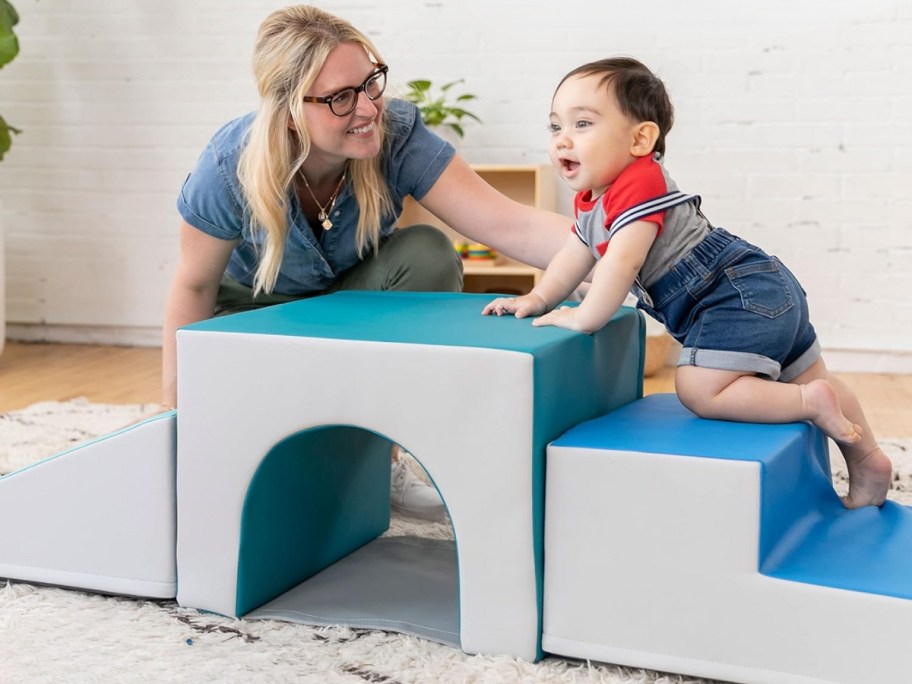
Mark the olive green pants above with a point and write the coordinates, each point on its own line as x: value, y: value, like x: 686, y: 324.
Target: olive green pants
x: 415, y: 259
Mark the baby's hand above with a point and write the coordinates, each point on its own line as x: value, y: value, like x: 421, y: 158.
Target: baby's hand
x: 564, y: 317
x: 527, y: 305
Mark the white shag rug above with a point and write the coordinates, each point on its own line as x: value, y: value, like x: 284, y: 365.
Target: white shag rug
x: 54, y: 635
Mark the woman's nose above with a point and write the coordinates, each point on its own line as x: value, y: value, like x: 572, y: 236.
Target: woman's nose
x: 365, y: 106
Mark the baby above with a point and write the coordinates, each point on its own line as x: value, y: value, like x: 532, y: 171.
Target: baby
x: 749, y: 352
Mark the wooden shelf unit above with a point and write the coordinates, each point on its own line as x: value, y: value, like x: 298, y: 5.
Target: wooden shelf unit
x: 535, y: 185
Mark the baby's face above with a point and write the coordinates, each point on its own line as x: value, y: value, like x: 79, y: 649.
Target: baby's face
x: 591, y: 139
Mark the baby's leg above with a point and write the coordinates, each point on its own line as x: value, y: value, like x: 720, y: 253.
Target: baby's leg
x: 870, y: 470
x: 814, y: 396
x: 734, y: 395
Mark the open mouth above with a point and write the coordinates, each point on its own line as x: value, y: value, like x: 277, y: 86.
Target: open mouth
x: 367, y: 128
x: 568, y: 165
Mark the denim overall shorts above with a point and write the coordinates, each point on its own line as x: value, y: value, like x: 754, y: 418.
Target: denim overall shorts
x: 734, y: 307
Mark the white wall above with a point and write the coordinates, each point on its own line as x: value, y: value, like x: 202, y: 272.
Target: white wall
x: 794, y: 122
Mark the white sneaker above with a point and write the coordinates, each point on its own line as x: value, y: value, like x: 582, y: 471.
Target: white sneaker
x: 411, y: 497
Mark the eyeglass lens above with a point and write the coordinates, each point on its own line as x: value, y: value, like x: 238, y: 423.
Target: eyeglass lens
x: 344, y: 101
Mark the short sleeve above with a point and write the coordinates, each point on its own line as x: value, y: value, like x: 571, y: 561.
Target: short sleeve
x: 210, y: 197
x: 581, y: 203
x: 417, y: 156
x: 640, y: 182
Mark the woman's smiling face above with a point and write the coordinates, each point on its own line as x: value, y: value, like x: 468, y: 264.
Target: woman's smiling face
x: 355, y: 135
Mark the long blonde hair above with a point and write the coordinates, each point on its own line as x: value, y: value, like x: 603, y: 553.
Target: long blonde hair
x: 292, y: 46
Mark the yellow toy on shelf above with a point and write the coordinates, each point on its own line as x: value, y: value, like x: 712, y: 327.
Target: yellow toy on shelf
x: 480, y: 252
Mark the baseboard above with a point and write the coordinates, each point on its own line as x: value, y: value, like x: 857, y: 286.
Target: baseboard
x: 868, y: 361
x: 122, y: 336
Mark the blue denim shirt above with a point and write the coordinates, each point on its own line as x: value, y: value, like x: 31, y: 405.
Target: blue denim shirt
x: 211, y: 200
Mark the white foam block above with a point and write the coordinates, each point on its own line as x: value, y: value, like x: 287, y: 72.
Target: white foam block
x: 653, y: 560
x: 99, y: 516
x: 477, y: 417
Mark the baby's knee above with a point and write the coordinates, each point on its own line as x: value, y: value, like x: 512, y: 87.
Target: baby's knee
x: 694, y: 400
x: 695, y: 391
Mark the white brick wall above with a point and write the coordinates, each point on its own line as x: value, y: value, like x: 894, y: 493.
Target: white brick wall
x: 794, y: 121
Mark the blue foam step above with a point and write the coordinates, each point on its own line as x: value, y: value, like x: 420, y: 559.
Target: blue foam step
x: 806, y: 535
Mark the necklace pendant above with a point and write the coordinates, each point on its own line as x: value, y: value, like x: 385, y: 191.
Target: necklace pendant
x: 323, y: 216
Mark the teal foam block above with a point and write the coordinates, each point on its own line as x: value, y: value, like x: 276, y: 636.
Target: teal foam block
x: 572, y: 377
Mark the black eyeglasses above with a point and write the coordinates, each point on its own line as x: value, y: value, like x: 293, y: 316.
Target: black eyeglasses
x: 344, y: 102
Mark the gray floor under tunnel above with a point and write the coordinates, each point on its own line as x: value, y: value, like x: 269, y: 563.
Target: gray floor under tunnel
x: 400, y: 584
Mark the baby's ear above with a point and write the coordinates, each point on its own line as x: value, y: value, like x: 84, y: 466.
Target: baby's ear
x: 645, y: 135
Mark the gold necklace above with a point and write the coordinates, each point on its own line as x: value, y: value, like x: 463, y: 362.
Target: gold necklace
x: 323, y: 216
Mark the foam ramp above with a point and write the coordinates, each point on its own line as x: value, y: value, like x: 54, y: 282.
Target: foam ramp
x: 719, y: 549
x: 288, y: 413
x: 99, y: 516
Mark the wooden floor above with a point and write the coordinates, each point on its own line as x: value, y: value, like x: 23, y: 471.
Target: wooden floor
x: 30, y: 373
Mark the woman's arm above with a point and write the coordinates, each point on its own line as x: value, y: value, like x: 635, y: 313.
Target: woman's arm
x: 192, y: 296
x: 466, y: 203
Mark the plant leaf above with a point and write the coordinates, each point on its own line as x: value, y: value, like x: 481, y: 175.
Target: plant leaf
x: 446, y: 86
x: 8, y: 15
x: 9, y: 46
x: 461, y: 113
x: 432, y: 117
x: 5, y: 139
x: 438, y: 110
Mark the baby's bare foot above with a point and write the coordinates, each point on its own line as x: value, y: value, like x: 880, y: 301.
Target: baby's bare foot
x: 820, y: 401
x: 869, y: 479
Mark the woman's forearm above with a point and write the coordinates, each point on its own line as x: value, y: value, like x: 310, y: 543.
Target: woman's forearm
x: 534, y: 236
x: 184, y: 306
x: 471, y: 207
x: 192, y: 296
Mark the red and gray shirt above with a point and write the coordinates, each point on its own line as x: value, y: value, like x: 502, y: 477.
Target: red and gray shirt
x: 643, y: 192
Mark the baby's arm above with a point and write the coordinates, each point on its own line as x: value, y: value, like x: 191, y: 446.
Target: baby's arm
x: 567, y: 270
x: 614, y: 276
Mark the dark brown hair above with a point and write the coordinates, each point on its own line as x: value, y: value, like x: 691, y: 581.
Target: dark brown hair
x: 640, y: 94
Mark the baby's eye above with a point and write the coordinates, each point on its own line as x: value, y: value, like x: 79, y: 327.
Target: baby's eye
x: 554, y: 128
x: 583, y: 123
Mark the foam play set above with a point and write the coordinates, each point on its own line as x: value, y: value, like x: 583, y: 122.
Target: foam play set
x: 589, y: 522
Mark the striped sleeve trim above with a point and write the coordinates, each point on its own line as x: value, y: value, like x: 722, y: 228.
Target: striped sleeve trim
x: 650, y: 207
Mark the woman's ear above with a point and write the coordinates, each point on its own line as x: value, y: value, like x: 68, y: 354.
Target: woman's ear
x: 645, y: 135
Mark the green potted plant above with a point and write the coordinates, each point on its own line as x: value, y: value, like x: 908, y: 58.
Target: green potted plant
x: 440, y: 109
x: 9, y: 48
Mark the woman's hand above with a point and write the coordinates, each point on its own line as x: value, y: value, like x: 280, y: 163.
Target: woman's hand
x: 527, y: 305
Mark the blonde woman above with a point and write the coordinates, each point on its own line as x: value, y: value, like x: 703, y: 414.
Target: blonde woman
x: 302, y: 197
